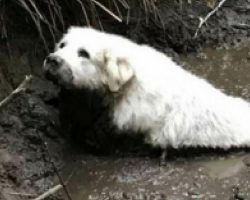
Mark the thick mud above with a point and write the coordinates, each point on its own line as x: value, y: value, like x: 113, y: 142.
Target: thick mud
x: 25, y: 124
x: 142, y: 178
x: 87, y: 149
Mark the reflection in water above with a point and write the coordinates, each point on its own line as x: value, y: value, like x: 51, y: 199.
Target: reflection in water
x: 223, y: 168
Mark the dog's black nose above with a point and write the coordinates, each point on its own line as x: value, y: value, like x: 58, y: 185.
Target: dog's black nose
x: 53, y: 62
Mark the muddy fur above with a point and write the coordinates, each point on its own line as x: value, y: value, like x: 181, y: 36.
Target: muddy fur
x: 152, y: 94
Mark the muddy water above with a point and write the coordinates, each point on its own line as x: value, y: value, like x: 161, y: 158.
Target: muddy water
x: 228, y: 70
x: 217, y: 177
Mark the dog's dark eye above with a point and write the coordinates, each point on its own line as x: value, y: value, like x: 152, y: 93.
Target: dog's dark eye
x: 63, y: 44
x: 84, y: 54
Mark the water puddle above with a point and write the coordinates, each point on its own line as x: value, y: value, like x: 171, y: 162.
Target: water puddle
x: 100, y: 178
x: 221, y: 168
x: 228, y: 70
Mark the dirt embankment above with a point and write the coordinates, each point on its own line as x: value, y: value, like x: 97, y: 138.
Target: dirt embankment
x: 55, y: 115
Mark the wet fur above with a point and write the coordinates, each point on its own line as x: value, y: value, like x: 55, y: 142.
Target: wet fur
x: 151, y: 93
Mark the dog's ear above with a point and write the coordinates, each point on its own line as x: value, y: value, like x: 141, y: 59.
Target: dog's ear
x: 118, y: 71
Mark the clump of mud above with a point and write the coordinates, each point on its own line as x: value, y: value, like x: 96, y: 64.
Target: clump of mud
x: 25, y: 124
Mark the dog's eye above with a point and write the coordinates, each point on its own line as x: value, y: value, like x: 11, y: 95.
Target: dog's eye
x: 84, y: 54
x: 63, y: 44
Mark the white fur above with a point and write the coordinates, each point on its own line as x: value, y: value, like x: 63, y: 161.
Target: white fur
x: 169, y: 104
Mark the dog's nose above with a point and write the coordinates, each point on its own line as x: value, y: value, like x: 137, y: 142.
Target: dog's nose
x: 53, y: 61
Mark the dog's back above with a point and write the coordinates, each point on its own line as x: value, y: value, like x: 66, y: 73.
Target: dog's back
x: 176, y: 108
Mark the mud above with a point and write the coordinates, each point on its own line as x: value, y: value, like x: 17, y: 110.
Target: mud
x: 142, y: 178
x: 227, y: 69
x: 26, y: 123
x: 85, y: 147
x: 228, y: 27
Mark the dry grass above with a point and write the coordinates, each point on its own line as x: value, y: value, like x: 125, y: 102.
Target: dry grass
x: 53, y: 15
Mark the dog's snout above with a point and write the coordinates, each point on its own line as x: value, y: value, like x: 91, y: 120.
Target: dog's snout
x: 53, y: 61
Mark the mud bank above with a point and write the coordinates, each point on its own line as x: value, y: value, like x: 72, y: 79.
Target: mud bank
x: 75, y: 124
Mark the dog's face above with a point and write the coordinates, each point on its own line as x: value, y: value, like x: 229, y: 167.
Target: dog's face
x: 87, y: 58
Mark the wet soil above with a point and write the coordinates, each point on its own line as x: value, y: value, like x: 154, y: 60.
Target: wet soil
x: 142, y: 178
x: 227, y: 69
x: 86, y: 147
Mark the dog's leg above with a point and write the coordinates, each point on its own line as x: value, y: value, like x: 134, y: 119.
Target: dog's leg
x: 163, y: 157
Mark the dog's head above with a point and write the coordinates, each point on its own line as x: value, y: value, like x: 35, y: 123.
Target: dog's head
x: 91, y: 59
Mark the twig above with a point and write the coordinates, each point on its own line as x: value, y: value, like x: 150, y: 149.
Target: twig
x: 54, y: 166
x: 202, y: 21
x: 241, y: 26
x: 71, y: 175
x: 49, y: 192
x: 52, y: 190
x: 107, y: 10
x: 22, y: 194
x: 22, y: 87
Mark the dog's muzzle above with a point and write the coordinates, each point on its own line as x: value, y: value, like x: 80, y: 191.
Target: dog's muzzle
x: 53, y: 62
x: 57, y: 71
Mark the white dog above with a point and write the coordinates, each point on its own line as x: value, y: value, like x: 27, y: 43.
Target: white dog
x: 150, y: 92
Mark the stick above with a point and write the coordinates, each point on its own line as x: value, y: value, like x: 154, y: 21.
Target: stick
x: 54, y: 166
x: 49, y: 192
x: 22, y: 87
x: 52, y: 190
x: 202, y: 21
x: 107, y: 10
x: 22, y: 194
